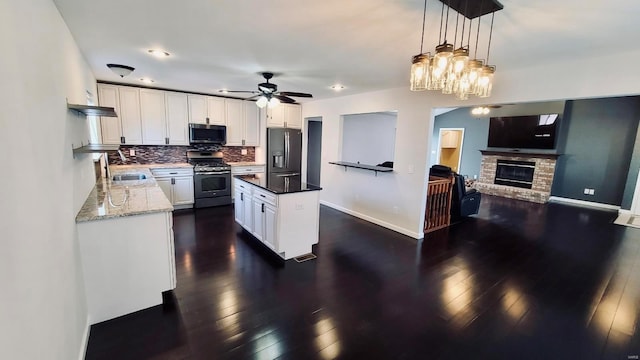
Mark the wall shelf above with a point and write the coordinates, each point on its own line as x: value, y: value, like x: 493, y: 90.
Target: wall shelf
x: 91, y: 110
x: 374, y: 168
x: 95, y: 148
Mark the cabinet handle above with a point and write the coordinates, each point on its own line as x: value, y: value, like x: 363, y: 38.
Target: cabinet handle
x: 166, y: 141
x: 241, y: 197
x: 262, y: 196
x: 207, y: 121
x: 122, y: 140
x: 285, y: 124
x: 173, y: 181
x: 173, y: 173
x: 262, y: 207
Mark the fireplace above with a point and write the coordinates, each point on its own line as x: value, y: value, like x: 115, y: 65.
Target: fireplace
x: 515, y: 173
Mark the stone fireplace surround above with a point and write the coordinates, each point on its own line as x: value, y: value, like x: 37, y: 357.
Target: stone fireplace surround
x: 545, y: 165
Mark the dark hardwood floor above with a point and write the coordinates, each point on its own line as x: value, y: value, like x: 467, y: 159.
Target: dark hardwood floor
x: 518, y: 281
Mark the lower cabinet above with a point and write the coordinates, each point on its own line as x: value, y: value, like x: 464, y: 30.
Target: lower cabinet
x: 127, y: 263
x: 243, y: 207
x: 177, y: 185
x: 285, y: 223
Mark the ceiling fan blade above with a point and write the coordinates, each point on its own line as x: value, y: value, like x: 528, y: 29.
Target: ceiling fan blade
x: 284, y: 99
x: 240, y: 91
x: 253, y: 97
x: 296, y: 94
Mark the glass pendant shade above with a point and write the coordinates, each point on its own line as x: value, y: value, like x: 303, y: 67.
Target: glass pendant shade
x: 262, y: 102
x: 485, y: 81
x: 474, y: 70
x: 420, y: 72
x: 459, y: 61
x: 440, y: 65
x: 273, y: 102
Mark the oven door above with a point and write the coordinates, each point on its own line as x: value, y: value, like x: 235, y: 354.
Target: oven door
x: 212, y: 184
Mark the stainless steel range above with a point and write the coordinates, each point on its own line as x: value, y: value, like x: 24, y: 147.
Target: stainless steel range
x: 212, y: 178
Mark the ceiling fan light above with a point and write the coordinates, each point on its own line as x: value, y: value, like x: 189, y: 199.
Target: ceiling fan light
x: 262, y: 102
x: 121, y: 70
x: 273, y: 102
x: 420, y: 72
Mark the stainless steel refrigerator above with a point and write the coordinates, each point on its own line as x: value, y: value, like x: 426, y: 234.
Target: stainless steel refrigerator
x: 284, y: 154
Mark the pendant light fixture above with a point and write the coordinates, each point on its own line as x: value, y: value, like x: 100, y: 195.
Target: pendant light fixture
x: 121, y: 70
x: 452, y: 71
x: 420, y: 63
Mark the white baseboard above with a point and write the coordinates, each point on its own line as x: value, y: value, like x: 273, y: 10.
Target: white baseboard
x: 583, y: 203
x: 370, y: 219
x: 624, y: 211
x: 85, y: 341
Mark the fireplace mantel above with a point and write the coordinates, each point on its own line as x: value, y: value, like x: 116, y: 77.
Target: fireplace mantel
x: 521, y: 154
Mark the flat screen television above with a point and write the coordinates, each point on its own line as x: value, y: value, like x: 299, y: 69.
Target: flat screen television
x: 523, y: 132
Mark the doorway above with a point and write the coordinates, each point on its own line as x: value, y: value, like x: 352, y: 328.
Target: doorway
x: 314, y: 150
x: 450, y: 147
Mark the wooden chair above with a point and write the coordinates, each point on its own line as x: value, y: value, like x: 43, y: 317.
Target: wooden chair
x: 438, y: 214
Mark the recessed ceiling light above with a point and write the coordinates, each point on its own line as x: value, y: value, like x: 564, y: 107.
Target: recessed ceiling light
x: 158, y: 53
x: 337, y: 87
x: 224, y: 91
x: 147, y: 80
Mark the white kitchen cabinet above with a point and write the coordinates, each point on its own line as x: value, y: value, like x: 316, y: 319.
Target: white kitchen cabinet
x: 197, y: 109
x: 235, y: 122
x: 153, y: 113
x: 130, y: 115
x: 251, y: 124
x: 127, y: 127
x: 111, y: 127
x: 243, y: 206
x: 285, y: 115
x: 177, y: 118
x: 287, y: 223
x: 127, y: 263
x: 177, y: 185
x: 243, y: 123
x: 293, y: 116
x: 207, y: 110
x: 270, y: 218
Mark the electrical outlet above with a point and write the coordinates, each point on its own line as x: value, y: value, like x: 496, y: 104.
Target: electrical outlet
x: 475, y: 177
x: 243, y: 151
x: 586, y: 191
x: 592, y: 191
x: 132, y: 152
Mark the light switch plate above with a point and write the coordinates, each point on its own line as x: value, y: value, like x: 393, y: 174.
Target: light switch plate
x: 243, y: 151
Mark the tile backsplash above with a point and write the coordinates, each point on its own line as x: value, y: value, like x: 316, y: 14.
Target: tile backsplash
x: 148, y: 154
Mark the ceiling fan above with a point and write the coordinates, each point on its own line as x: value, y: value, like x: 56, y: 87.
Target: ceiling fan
x: 268, y: 93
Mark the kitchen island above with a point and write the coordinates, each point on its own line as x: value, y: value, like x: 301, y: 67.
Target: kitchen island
x: 125, y: 233
x: 283, y: 214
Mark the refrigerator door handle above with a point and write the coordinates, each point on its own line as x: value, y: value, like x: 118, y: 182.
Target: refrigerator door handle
x: 286, y: 149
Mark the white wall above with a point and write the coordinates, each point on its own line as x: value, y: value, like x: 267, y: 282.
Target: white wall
x: 373, y: 198
x: 368, y: 138
x: 42, y: 303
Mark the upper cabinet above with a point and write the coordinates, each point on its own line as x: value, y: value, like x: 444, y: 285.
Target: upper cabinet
x: 206, y: 110
x: 157, y: 117
x: 285, y: 115
x: 127, y: 127
x: 242, y: 123
x: 154, y: 117
x: 177, y: 118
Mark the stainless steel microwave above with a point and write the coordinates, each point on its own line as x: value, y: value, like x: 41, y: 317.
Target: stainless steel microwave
x: 207, y: 134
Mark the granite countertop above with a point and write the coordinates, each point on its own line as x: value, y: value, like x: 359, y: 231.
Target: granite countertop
x: 245, y: 163
x: 279, y: 185
x: 110, y: 199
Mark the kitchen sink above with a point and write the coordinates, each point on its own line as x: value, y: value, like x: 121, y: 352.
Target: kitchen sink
x: 129, y: 177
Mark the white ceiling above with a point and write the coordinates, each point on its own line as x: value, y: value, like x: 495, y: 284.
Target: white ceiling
x: 364, y: 44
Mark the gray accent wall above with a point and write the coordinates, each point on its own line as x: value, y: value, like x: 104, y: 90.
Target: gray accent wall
x: 632, y: 176
x: 597, y: 148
